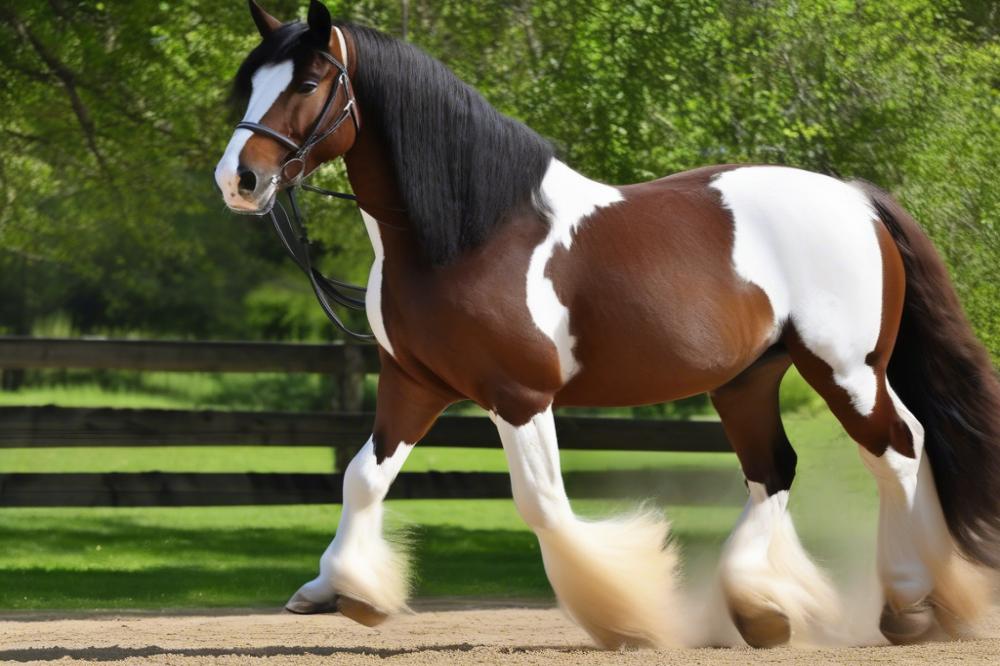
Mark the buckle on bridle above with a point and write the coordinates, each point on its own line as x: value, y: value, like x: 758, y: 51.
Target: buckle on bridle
x: 296, y: 178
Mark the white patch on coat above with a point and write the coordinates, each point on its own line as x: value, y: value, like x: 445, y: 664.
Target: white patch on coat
x: 614, y: 577
x: 360, y: 563
x: 809, y: 242
x: 267, y: 84
x: 568, y: 197
x: 913, y: 537
x: 765, y: 568
x: 373, y: 294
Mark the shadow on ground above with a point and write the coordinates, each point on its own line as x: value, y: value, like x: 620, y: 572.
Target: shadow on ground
x: 117, y: 653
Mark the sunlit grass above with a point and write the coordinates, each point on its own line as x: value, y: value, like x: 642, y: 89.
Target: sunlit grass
x: 321, y: 459
x: 257, y: 556
x: 91, y: 395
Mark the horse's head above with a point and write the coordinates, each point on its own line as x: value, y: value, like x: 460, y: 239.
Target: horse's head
x: 300, y: 110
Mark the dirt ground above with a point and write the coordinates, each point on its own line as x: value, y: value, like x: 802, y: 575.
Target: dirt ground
x: 441, y: 632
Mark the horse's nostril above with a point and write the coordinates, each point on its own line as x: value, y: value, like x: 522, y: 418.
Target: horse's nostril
x: 248, y: 180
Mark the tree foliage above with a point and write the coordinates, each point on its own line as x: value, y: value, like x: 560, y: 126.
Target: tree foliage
x: 115, y: 113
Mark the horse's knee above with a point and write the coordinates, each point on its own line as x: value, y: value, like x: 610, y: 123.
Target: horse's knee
x: 366, y: 479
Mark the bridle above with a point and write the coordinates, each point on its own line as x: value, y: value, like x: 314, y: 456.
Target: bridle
x: 299, y: 152
x: 292, y: 174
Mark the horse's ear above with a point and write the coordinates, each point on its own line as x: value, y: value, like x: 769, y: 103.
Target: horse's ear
x: 320, y: 23
x: 266, y: 23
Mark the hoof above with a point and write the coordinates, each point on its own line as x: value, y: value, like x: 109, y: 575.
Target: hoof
x: 360, y: 612
x: 767, y: 628
x: 612, y: 640
x: 308, y: 602
x: 913, y: 624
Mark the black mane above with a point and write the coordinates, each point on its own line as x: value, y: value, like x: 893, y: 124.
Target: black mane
x: 463, y: 168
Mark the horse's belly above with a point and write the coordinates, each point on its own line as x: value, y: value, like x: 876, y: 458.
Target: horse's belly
x: 655, y: 310
x: 672, y: 354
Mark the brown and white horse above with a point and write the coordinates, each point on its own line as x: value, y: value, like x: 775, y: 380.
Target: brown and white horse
x: 503, y: 276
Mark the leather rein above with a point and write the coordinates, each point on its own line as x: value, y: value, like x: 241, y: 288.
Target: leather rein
x: 288, y: 226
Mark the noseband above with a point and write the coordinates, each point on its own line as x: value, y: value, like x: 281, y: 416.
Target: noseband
x: 292, y: 174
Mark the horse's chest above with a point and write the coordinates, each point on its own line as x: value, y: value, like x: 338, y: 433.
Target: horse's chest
x: 467, y: 324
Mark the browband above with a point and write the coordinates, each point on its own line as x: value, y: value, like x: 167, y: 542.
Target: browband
x: 343, y: 44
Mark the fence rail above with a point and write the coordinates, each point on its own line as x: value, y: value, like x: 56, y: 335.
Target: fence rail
x: 233, y: 489
x: 345, y: 430
x: 26, y: 353
x: 65, y: 426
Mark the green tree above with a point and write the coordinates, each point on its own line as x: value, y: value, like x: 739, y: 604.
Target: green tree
x: 115, y: 113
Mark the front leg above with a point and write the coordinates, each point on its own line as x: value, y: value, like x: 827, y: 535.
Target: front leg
x: 360, y: 573
x: 615, y: 577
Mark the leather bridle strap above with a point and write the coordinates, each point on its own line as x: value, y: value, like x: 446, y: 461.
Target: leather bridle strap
x: 264, y: 130
x: 342, y: 43
x: 328, y: 291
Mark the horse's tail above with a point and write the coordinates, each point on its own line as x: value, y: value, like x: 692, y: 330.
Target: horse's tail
x: 945, y: 376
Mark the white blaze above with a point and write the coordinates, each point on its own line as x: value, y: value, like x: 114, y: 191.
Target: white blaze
x: 268, y: 83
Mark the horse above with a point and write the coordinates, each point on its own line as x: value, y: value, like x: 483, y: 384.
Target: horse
x: 503, y: 276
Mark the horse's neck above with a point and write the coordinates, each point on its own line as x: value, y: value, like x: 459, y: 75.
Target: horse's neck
x: 373, y: 180
x: 567, y: 195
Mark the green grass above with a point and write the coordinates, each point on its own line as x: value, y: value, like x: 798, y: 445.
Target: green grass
x: 316, y: 459
x: 67, y: 558
x: 257, y: 556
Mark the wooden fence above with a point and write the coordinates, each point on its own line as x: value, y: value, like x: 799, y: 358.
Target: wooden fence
x: 345, y: 429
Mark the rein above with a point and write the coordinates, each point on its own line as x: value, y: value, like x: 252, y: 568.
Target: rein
x: 291, y: 232
x: 328, y: 291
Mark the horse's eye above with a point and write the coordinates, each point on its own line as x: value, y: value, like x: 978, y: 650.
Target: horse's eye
x: 307, y: 87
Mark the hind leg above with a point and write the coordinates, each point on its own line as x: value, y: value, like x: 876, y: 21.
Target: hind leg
x: 925, y: 582
x: 771, y: 586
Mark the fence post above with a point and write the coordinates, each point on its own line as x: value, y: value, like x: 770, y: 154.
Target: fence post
x: 350, y: 396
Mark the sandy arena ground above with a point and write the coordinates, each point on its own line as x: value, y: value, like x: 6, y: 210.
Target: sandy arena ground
x: 440, y: 633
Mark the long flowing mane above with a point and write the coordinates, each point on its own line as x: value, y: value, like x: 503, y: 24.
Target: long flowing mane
x: 463, y: 168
